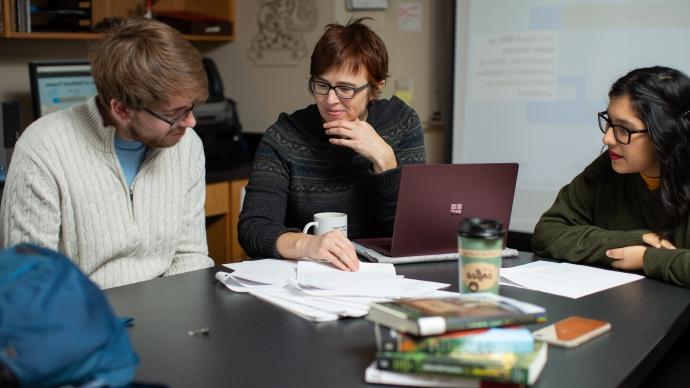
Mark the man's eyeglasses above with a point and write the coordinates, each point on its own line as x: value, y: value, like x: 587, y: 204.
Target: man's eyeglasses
x: 173, y: 120
x: 621, y: 134
x: 342, y: 91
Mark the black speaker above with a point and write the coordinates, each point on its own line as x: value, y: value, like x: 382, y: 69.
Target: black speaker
x: 9, y: 123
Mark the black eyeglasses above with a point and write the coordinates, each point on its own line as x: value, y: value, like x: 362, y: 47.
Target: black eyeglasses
x: 621, y: 134
x: 342, y: 91
x: 173, y: 120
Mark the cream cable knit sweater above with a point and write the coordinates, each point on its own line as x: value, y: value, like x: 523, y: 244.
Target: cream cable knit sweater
x: 65, y: 190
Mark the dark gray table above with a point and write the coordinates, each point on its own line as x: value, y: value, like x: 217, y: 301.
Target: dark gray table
x: 254, y: 344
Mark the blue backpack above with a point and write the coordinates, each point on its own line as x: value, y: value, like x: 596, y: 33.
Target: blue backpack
x: 56, y: 326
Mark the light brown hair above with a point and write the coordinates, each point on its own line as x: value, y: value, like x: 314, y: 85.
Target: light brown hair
x: 141, y: 61
x: 352, y: 47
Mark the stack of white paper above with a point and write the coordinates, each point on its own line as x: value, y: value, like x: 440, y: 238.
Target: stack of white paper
x: 372, y: 279
x: 565, y: 279
x: 321, y: 292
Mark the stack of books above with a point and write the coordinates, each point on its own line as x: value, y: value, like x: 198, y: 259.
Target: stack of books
x: 467, y: 340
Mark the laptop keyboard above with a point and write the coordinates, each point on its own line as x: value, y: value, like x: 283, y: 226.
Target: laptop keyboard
x: 376, y: 257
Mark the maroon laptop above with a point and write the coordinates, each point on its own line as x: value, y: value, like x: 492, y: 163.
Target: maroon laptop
x: 434, y: 197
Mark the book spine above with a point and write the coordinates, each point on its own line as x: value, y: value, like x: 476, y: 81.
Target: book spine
x: 28, y: 15
x: 13, y: 16
x: 433, y: 316
x: 422, y: 363
x: 458, y: 323
x: 516, y: 340
x: 19, y: 12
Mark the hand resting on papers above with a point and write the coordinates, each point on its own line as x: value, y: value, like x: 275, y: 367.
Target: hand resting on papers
x: 332, y: 247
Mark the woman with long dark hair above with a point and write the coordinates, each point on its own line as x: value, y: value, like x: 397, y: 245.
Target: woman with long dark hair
x: 629, y: 208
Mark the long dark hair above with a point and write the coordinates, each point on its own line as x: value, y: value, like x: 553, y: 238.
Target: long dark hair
x: 661, y: 98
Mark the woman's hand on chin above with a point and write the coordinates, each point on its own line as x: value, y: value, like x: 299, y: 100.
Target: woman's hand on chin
x: 362, y: 138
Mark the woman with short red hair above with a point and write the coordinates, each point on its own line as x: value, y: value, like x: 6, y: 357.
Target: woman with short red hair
x: 342, y: 154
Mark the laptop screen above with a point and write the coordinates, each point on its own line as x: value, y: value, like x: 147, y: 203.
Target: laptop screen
x: 434, y: 198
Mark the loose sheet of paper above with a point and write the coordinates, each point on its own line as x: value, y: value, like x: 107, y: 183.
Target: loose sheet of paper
x: 565, y: 279
x: 373, y: 279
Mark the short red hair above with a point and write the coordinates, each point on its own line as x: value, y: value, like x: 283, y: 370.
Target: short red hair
x: 352, y: 46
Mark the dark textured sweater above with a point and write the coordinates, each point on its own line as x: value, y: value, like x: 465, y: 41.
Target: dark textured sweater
x: 297, y: 172
x: 601, y: 209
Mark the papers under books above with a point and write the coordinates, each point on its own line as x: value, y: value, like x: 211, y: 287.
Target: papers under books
x: 564, y: 279
x: 320, y: 292
x: 429, y: 316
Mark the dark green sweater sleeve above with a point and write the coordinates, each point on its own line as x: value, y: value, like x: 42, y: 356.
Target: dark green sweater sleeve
x: 600, y: 210
x: 567, y: 230
x: 669, y: 265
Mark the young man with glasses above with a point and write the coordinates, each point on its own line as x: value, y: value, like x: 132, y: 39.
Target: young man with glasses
x: 118, y: 183
x: 342, y: 154
x: 629, y: 208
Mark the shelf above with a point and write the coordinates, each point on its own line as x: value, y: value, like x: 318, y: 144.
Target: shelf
x: 101, y: 9
x: 96, y: 35
x: 209, y: 38
x: 54, y: 35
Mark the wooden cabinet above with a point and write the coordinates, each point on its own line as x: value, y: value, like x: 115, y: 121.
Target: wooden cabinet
x: 101, y: 9
x: 434, y: 139
x: 223, y: 204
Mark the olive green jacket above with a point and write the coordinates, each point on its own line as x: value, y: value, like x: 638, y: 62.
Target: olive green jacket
x: 601, y: 209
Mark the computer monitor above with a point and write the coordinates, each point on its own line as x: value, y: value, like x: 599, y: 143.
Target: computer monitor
x: 57, y: 85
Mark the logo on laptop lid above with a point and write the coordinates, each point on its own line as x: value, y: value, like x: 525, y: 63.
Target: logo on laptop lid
x: 456, y: 208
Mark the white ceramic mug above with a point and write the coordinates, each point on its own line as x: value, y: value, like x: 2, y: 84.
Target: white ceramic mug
x: 325, y: 222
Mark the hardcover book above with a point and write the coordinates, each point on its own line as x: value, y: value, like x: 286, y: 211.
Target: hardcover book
x: 431, y: 316
x: 501, y: 340
x: 511, y: 367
